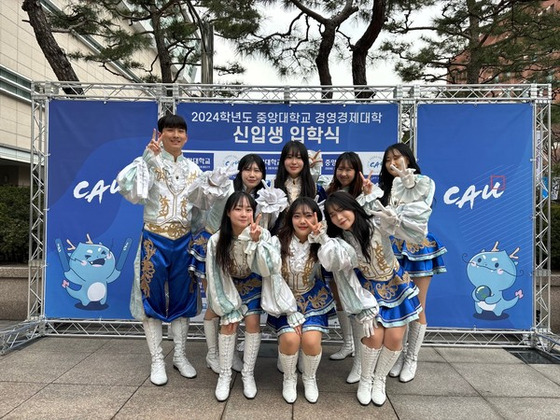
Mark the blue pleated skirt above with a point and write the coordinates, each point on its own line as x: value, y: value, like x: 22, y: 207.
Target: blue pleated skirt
x: 316, y: 305
x: 420, y: 260
x: 250, y: 289
x: 397, y: 298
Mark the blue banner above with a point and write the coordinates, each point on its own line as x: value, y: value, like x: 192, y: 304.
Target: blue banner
x: 480, y: 157
x: 227, y: 132
x: 92, y: 232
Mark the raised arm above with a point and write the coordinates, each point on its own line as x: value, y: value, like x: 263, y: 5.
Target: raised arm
x: 135, y: 180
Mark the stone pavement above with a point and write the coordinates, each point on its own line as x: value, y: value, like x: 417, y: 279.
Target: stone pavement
x: 108, y: 378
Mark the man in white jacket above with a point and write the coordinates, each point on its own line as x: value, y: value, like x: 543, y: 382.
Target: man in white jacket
x: 164, y: 291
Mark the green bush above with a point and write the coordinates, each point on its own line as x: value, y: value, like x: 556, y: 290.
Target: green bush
x: 14, y: 224
x: 555, y: 236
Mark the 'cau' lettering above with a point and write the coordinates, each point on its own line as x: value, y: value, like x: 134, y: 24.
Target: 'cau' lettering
x: 471, y: 193
x: 81, y: 190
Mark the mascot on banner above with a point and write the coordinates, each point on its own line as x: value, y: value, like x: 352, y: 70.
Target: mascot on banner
x: 91, y: 267
x: 492, y: 272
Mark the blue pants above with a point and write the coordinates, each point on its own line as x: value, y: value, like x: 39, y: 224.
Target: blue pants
x: 167, y: 261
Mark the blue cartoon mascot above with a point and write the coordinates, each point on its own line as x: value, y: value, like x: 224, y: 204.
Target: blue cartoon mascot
x: 492, y: 272
x: 90, y: 267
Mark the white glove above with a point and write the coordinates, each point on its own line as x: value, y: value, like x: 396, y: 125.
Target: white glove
x: 368, y: 320
x: 271, y: 200
x: 222, y: 174
x: 388, y: 218
x: 406, y: 174
x: 368, y: 328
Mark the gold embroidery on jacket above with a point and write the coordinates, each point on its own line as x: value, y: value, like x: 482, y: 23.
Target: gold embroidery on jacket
x: 191, y: 178
x: 172, y: 230
x: 299, y: 282
x: 160, y: 174
x: 380, y: 258
x: 164, y: 206
x: 184, y: 211
x: 239, y: 270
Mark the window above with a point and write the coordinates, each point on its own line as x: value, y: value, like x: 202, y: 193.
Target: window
x: 15, y: 85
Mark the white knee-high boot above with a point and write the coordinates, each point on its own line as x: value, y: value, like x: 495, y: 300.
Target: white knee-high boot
x: 347, y: 348
x: 357, y: 333
x: 252, y: 345
x: 299, y: 363
x: 368, y: 358
x: 309, y: 376
x: 397, y: 367
x: 211, y: 328
x: 226, y: 344
x: 289, y: 385
x: 153, y: 330
x: 180, y: 328
x: 279, y: 363
x: 385, y: 361
x: 415, y: 338
x: 237, y: 362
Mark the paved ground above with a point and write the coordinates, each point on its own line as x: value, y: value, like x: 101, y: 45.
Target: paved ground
x: 108, y: 378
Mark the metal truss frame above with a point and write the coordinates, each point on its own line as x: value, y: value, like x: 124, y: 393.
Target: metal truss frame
x: 408, y: 97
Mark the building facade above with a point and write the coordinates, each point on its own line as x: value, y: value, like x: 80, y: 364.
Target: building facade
x: 21, y: 62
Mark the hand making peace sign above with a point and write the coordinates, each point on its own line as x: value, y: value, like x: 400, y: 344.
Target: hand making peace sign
x: 315, y: 159
x: 405, y: 174
x: 367, y: 185
x: 400, y: 167
x: 315, y: 225
x: 255, y: 230
x: 155, y: 143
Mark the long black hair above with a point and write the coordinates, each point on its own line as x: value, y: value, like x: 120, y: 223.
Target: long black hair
x: 245, y: 163
x: 362, y: 228
x: 308, y: 187
x: 385, y: 178
x: 286, y: 231
x: 353, y: 161
x: 223, y: 254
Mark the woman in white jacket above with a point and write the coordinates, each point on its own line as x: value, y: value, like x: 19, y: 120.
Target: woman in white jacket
x: 238, y: 255
x: 309, y: 300
x: 366, y: 225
